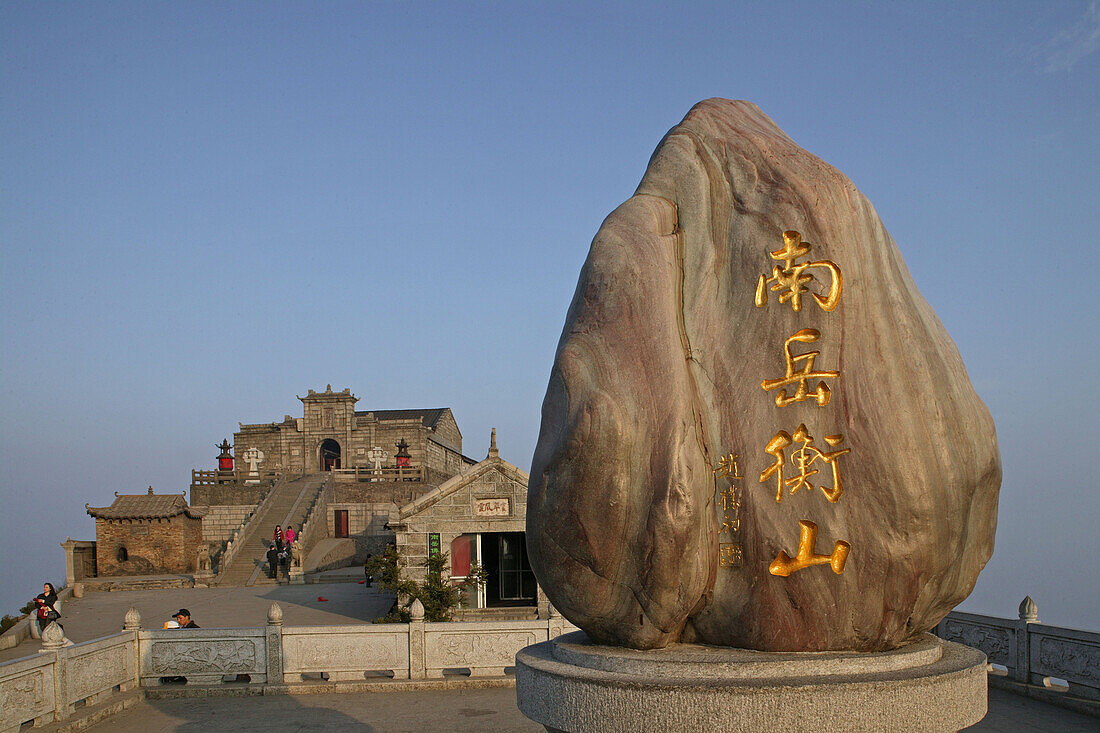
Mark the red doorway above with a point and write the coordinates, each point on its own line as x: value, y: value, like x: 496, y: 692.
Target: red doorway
x: 341, y: 523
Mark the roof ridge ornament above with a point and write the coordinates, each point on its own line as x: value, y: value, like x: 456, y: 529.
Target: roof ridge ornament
x: 493, y: 452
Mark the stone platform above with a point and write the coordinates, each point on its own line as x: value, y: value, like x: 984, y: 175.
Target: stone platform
x: 570, y: 684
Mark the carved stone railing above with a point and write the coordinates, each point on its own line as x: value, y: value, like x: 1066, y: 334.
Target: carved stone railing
x: 367, y: 474
x: 202, y: 656
x: 484, y: 651
x: 200, y: 477
x: 1032, y: 658
x: 315, y: 526
x: 48, y: 686
x: 345, y: 652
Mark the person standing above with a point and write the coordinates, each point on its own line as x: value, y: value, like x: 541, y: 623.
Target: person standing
x: 278, y: 537
x: 272, y: 561
x: 46, y: 612
x: 289, y: 535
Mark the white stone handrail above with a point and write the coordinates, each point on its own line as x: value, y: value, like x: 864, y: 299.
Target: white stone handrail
x: 46, y: 687
x: 317, y: 515
x: 1031, y: 653
x: 202, y: 656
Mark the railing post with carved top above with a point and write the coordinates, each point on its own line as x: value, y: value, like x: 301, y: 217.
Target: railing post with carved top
x: 1029, y: 614
x: 417, y: 660
x: 53, y: 639
x: 275, y: 645
x: 132, y: 622
x: 555, y: 624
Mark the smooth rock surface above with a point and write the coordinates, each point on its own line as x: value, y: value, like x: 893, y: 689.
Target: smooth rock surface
x: 660, y: 372
x: 570, y: 684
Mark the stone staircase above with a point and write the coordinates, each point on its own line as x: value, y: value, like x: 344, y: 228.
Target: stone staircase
x: 289, y: 505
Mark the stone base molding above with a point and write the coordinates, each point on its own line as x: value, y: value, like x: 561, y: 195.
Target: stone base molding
x: 570, y: 684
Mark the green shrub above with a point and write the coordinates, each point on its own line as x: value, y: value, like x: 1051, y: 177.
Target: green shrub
x: 438, y: 595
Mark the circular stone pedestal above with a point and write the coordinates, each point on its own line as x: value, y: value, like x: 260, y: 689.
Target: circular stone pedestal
x: 570, y: 684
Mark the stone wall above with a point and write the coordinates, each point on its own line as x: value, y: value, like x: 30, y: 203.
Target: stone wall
x: 269, y: 439
x: 399, y: 493
x: 366, y: 525
x: 442, y: 462
x: 153, y: 546
x: 218, y: 522
x: 447, y: 433
x: 228, y: 495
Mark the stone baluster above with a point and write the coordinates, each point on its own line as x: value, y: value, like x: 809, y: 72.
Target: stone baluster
x: 274, y: 634
x: 53, y: 639
x: 1029, y: 614
x: 417, y: 661
x: 132, y: 622
x: 555, y: 623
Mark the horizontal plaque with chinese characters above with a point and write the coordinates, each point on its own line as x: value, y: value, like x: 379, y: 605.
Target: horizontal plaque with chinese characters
x: 492, y: 507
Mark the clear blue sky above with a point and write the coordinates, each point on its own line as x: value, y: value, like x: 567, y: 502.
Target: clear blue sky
x: 206, y: 209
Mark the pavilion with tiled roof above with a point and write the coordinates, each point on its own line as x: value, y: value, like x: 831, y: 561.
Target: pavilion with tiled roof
x: 147, y: 534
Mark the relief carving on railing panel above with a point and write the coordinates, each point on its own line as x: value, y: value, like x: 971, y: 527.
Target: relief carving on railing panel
x: 198, y: 657
x: 98, y: 671
x: 476, y: 649
x: 1070, y: 660
x: 24, y: 697
x: 329, y: 653
x: 993, y: 641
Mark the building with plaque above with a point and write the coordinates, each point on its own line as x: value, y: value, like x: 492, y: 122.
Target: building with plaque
x: 479, y: 517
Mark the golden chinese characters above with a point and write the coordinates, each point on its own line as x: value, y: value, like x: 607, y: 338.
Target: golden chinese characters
x: 729, y: 555
x: 729, y: 505
x: 802, y: 459
x: 802, y: 374
x: 790, y: 280
x: 783, y: 565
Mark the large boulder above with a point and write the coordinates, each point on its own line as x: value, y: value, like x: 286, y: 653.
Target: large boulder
x: 683, y: 345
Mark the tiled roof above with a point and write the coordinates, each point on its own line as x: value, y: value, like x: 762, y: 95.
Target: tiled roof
x: 145, y: 506
x: 428, y: 417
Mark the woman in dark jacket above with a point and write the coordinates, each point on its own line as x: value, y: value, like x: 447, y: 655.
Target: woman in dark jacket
x: 47, y: 612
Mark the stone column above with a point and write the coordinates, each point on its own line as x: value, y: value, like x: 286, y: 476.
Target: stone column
x: 275, y: 645
x: 417, y: 665
x: 70, y: 566
x: 1029, y: 614
x: 132, y: 622
x: 542, y: 601
x: 555, y: 623
x: 53, y: 639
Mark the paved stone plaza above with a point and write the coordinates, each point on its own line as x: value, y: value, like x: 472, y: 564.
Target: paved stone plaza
x: 100, y: 614
x: 459, y: 711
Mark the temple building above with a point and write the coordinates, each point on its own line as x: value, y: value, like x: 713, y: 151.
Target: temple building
x: 146, y: 534
x: 332, y: 434
x: 353, y: 481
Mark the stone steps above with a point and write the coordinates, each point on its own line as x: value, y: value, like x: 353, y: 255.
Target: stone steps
x: 250, y: 563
